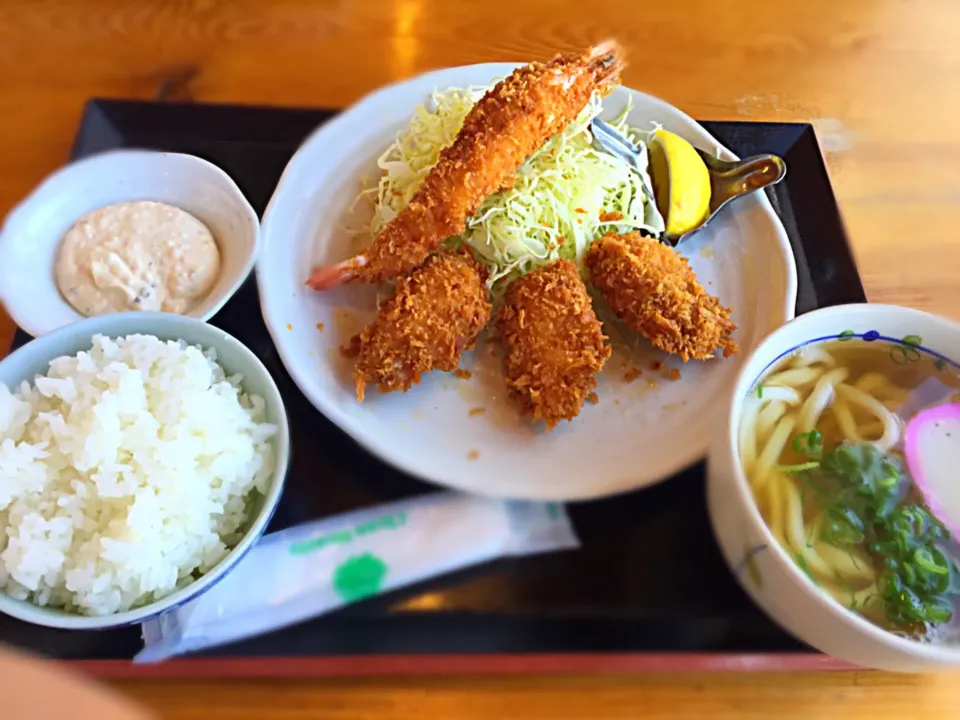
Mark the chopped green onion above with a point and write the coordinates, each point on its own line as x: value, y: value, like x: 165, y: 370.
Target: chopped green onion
x: 797, y: 468
x: 802, y: 563
x: 864, y: 492
x: 939, y: 615
x: 924, y: 558
x: 809, y: 443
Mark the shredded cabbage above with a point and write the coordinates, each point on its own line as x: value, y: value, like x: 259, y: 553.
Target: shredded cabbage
x: 555, y: 206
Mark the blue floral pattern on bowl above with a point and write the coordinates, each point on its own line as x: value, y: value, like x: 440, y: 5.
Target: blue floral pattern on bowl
x: 908, y: 349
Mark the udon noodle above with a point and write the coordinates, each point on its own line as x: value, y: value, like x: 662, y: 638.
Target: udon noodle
x: 833, y: 393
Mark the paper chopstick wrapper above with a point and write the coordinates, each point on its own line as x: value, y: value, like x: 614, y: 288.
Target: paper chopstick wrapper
x: 302, y: 572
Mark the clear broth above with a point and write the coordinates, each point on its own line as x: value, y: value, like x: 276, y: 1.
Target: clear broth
x: 823, y: 391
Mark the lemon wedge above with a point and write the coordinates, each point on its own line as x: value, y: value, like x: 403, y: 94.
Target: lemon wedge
x: 681, y: 182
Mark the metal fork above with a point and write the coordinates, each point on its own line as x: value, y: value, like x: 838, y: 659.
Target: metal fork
x: 728, y: 179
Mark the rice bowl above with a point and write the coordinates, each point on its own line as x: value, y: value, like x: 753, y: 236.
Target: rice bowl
x: 134, y: 472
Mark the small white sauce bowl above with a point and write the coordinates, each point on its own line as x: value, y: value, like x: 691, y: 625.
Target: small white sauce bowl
x: 31, y: 234
x: 34, y: 358
x: 762, y: 567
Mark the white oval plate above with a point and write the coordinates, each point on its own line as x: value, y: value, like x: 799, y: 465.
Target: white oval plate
x: 640, y: 432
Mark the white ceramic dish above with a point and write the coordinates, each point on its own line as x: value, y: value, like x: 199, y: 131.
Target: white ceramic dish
x: 762, y: 567
x: 32, y: 232
x: 33, y: 359
x: 636, y: 435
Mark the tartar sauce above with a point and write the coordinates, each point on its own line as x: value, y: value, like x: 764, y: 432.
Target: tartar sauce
x: 137, y: 256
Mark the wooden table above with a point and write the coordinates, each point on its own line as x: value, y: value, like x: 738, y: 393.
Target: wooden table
x: 878, y: 78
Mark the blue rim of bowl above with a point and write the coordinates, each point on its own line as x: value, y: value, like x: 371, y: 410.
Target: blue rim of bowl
x: 870, y: 336
x: 947, y: 656
x: 227, y: 564
x: 222, y: 572
x: 912, y: 342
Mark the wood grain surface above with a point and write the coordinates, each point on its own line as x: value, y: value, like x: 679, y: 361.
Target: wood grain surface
x: 878, y: 78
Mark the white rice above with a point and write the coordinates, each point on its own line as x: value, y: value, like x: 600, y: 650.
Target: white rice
x: 126, y: 472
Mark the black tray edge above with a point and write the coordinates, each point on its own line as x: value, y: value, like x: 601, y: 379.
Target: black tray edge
x: 825, y: 225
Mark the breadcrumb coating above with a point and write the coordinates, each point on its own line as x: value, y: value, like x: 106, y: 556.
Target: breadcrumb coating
x: 653, y: 290
x: 433, y: 316
x: 553, y: 343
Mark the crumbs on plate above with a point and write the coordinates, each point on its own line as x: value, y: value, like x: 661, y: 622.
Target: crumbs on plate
x: 473, y: 455
x: 320, y: 327
x: 463, y: 374
x: 477, y: 411
x: 592, y: 398
x: 632, y: 374
x: 674, y: 374
x: 289, y: 326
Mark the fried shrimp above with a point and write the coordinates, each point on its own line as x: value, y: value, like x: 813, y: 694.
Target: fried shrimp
x: 434, y: 314
x: 655, y: 293
x: 553, y: 342
x: 507, y: 125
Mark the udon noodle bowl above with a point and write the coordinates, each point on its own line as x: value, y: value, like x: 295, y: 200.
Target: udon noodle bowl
x: 847, y: 447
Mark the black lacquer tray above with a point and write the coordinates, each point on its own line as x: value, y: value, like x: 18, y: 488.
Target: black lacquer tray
x: 647, y: 589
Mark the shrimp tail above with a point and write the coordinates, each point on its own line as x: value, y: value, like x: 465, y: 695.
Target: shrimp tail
x: 607, y: 51
x: 605, y: 61
x: 330, y: 276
